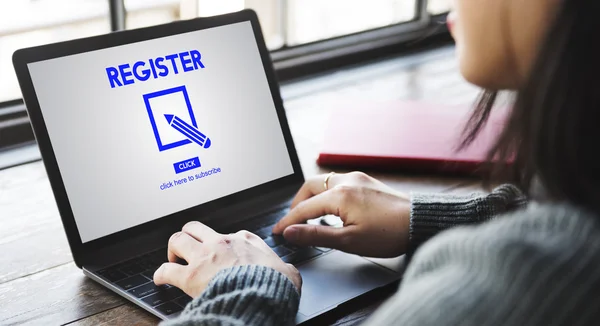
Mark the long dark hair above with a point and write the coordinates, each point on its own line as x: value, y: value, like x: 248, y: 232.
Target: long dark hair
x: 553, y: 131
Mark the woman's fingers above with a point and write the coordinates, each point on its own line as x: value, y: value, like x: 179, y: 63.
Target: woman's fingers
x: 317, y: 206
x: 171, y: 273
x: 315, y: 186
x: 182, y: 245
x: 200, y: 231
x: 307, y: 190
x: 318, y: 235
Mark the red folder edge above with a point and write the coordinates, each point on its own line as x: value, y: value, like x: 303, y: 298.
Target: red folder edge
x: 406, y: 136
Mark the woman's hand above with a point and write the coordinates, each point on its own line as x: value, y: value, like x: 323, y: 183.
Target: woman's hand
x: 376, y: 217
x: 208, y: 252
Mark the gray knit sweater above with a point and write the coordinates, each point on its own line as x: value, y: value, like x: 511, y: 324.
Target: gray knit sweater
x: 538, y: 265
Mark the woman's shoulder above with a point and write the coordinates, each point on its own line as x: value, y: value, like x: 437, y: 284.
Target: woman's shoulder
x: 548, y: 219
x: 535, y: 222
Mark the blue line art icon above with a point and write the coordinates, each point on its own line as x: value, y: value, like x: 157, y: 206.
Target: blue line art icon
x: 190, y: 132
x: 180, y: 126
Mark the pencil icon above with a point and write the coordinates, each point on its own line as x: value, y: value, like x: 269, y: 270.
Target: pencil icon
x: 190, y: 132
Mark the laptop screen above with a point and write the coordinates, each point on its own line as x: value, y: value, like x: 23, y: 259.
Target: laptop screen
x: 148, y: 129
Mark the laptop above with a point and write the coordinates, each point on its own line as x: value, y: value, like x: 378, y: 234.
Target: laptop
x: 142, y: 131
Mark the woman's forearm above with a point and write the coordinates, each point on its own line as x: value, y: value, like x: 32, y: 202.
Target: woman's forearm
x: 433, y: 213
x: 243, y: 295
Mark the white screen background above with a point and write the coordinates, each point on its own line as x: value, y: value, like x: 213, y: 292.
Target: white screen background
x: 104, y: 143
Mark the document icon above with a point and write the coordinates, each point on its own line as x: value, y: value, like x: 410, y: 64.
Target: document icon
x: 180, y: 128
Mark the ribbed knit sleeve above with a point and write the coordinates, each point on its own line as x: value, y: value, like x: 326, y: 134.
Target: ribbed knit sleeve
x: 243, y: 295
x: 433, y: 213
x: 536, y: 266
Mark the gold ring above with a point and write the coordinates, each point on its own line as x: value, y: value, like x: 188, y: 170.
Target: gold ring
x: 325, y: 183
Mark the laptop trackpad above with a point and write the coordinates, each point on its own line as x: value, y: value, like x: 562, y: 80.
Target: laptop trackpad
x: 336, y: 278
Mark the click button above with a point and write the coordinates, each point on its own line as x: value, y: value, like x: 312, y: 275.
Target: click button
x: 189, y: 164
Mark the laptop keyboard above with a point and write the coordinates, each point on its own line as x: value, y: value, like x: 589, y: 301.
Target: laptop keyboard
x: 135, y: 276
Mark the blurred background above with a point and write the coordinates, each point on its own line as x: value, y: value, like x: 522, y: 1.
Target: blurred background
x: 306, y: 38
x: 286, y: 23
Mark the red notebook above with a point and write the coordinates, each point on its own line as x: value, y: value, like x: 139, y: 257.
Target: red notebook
x: 405, y: 136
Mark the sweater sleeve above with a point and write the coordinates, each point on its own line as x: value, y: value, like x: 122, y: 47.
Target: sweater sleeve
x: 433, y: 213
x: 537, y: 266
x: 243, y: 295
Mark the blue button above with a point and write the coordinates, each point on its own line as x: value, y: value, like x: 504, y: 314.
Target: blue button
x: 189, y: 164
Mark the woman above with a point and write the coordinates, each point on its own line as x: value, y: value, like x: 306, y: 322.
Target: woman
x: 534, y: 264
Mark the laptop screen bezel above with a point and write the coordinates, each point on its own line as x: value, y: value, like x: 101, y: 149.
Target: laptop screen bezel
x: 21, y: 59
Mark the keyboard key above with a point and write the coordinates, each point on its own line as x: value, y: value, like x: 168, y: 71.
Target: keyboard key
x: 332, y: 220
x: 282, y: 251
x: 149, y: 274
x: 183, y: 301
x: 163, y: 296
x: 302, y: 255
x: 293, y: 248
x: 276, y: 216
x: 148, y: 265
x: 270, y: 242
x: 132, y: 282
x: 113, y: 275
x: 265, y: 232
x: 146, y: 289
x: 156, y: 258
x: 275, y: 240
x: 160, y: 253
x: 314, y: 221
x: 324, y: 249
x: 169, y: 308
x: 132, y: 269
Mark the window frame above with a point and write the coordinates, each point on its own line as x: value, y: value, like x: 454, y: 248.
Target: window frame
x: 14, y: 125
x: 290, y: 63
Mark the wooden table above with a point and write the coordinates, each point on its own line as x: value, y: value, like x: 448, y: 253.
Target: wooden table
x: 39, y: 284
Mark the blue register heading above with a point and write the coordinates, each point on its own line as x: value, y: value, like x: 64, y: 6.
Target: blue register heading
x: 140, y: 71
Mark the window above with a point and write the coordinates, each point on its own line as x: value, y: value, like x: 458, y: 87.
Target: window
x: 284, y: 23
x: 315, y: 20
x: 436, y: 7
x: 34, y: 22
x: 304, y: 35
x: 142, y: 13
